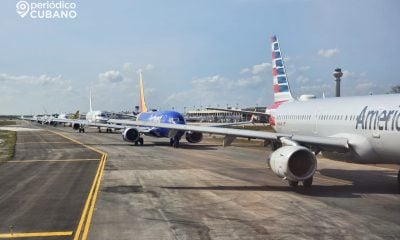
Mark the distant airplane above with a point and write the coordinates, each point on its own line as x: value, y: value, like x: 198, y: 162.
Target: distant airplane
x: 91, y: 118
x: 51, y: 119
x: 366, y: 128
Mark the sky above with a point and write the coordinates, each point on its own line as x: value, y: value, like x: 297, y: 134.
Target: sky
x: 193, y: 54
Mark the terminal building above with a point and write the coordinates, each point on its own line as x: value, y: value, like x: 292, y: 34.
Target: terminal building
x: 218, y: 116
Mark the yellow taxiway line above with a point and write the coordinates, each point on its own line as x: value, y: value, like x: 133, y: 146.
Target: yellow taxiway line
x: 86, y: 217
x: 43, y: 143
x: 49, y: 160
x: 35, y: 234
x: 44, y: 134
x: 84, y: 222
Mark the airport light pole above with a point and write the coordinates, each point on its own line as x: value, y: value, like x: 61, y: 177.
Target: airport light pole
x: 337, y: 74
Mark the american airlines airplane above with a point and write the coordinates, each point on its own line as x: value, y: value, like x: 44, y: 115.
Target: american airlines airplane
x: 366, y: 129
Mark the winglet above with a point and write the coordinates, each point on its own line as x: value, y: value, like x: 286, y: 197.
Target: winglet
x: 142, y: 104
x: 281, y: 86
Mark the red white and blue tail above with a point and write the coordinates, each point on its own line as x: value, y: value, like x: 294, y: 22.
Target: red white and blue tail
x: 282, y: 91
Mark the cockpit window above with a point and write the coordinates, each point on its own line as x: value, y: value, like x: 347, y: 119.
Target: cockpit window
x: 176, y: 120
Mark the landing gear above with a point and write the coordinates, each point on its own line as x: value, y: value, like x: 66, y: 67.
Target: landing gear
x: 174, y: 142
x: 308, y: 182
x: 139, y: 141
x: 99, y: 129
x: 398, y: 180
x: 293, y: 183
x: 81, y: 129
x: 109, y: 130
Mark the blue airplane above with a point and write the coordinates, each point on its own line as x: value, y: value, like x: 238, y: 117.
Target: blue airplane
x: 134, y: 133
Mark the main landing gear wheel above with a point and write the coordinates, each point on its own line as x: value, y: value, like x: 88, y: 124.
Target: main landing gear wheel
x: 81, y: 130
x: 109, y: 130
x: 398, y: 177
x: 174, y: 142
x: 140, y: 141
x: 308, y: 182
x: 293, y: 183
x: 398, y: 180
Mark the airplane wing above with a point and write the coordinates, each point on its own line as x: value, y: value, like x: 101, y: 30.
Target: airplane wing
x: 141, y: 129
x: 221, y: 124
x: 28, y: 118
x: 320, y: 142
x: 240, y: 111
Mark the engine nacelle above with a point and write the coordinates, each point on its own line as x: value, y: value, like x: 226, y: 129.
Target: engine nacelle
x: 194, y: 137
x: 76, y: 126
x: 296, y: 163
x: 130, y: 135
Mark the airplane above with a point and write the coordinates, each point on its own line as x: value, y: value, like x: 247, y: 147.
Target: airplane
x: 364, y: 128
x: 91, y: 118
x: 62, y: 116
x: 134, y: 133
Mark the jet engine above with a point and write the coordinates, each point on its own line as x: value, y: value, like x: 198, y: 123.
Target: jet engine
x: 76, y: 126
x: 194, y: 137
x: 130, y: 135
x: 295, y: 163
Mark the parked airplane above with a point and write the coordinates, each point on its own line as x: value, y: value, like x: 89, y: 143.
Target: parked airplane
x: 366, y: 128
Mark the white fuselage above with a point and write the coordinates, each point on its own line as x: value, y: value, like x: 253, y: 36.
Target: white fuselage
x: 371, y: 123
x: 97, y: 117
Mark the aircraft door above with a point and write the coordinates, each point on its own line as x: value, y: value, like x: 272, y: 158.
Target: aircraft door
x: 315, y: 128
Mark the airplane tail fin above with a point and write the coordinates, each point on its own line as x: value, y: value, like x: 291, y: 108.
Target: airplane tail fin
x: 142, y: 103
x: 282, y: 91
x: 76, y: 115
x: 90, y: 101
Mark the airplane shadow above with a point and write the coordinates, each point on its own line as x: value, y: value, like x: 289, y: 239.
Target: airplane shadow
x: 184, y: 145
x: 363, y: 182
x: 162, y: 144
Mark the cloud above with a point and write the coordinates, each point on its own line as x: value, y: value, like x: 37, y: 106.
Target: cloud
x: 127, y: 66
x: 302, y: 79
x: 245, y: 82
x: 327, y: 53
x: 244, y: 70
x: 348, y: 74
x: 111, y: 76
x: 304, y: 68
x: 33, y: 80
x: 148, y: 67
x: 210, y: 83
x: 257, y: 69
